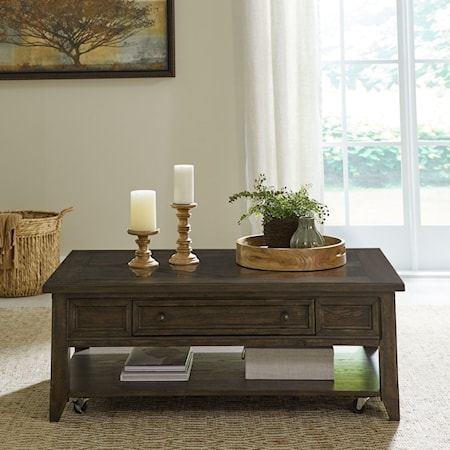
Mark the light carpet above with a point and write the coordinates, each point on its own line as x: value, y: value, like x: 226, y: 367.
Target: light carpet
x: 226, y: 423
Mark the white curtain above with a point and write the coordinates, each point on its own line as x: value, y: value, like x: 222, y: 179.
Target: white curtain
x: 282, y: 93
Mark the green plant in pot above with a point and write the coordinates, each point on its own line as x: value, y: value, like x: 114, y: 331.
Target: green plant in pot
x: 280, y: 210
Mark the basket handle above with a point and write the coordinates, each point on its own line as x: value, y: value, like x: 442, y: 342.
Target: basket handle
x: 64, y: 212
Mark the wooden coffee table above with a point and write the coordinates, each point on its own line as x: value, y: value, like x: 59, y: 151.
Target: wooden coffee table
x: 98, y: 301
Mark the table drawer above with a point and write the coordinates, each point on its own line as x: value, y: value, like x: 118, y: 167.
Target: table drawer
x: 348, y: 317
x: 290, y: 318
x: 99, y: 318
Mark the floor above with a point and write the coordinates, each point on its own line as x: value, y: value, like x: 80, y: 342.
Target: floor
x: 425, y: 290
x: 433, y: 290
x: 38, y: 300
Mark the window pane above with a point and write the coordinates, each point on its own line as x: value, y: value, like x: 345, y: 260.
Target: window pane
x: 382, y: 206
x: 334, y: 196
x: 372, y: 102
x: 331, y: 103
x: 432, y: 33
x: 375, y: 185
x: 433, y: 125
x: 434, y: 208
x: 370, y: 29
x: 433, y: 100
x: 329, y: 30
x: 434, y: 169
x: 333, y: 167
x: 335, y: 200
x: 374, y: 166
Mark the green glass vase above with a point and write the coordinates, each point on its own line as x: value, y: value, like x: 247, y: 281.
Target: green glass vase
x: 306, y: 235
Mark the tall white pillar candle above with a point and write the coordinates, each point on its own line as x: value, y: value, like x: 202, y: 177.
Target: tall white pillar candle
x: 183, y: 184
x: 143, y: 210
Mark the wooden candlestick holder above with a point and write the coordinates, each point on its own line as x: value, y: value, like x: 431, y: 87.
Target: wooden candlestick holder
x: 184, y: 255
x: 143, y: 260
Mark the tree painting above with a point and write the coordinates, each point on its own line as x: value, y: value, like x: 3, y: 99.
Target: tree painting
x: 81, y: 34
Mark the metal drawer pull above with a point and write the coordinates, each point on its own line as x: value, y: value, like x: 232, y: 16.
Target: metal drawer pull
x: 161, y: 317
x: 284, y: 316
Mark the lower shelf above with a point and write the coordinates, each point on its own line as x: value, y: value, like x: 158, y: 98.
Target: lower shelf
x: 97, y: 375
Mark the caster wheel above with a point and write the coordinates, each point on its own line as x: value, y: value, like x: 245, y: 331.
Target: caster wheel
x: 359, y: 405
x: 80, y: 405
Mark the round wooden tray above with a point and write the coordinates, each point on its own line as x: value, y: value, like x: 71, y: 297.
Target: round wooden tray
x: 252, y: 252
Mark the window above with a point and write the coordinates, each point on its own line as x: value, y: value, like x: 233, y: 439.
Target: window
x: 386, y: 125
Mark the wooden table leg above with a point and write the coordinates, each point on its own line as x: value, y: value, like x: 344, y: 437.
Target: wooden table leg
x: 59, y: 383
x: 388, y: 358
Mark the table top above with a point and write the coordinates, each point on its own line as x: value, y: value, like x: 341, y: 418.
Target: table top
x: 107, y: 271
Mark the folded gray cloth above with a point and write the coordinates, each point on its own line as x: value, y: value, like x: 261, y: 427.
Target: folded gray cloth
x: 8, y: 252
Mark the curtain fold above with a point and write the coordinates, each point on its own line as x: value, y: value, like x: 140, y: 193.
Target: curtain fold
x: 282, y: 93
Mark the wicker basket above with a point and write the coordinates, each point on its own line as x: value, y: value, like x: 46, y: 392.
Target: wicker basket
x: 37, y: 248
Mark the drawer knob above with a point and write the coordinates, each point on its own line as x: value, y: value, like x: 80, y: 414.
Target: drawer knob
x: 284, y: 316
x: 161, y: 317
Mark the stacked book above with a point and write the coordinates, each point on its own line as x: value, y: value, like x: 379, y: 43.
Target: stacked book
x: 158, y: 364
x: 289, y: 363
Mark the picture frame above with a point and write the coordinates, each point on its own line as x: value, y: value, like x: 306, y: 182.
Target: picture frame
x: 86, y: 39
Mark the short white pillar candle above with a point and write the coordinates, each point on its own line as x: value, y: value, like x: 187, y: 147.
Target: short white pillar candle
x: 143, y: 210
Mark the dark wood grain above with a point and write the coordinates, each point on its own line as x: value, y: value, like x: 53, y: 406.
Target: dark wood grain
x: 222, y: 374
x: 99, y: 302
x: 106, y: 271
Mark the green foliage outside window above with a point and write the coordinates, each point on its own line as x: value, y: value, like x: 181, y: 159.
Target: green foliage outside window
x: 375, y: 166
x: 380, y: 166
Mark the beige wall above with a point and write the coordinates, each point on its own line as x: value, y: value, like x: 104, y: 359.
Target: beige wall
x: 88, y: 143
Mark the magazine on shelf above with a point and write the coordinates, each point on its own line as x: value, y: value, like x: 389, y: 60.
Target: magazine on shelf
x: 289, y: 363
x: 153, y: 359
x: 159, y: 374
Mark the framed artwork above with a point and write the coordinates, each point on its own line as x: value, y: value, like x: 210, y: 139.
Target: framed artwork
x: 41, y: 39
